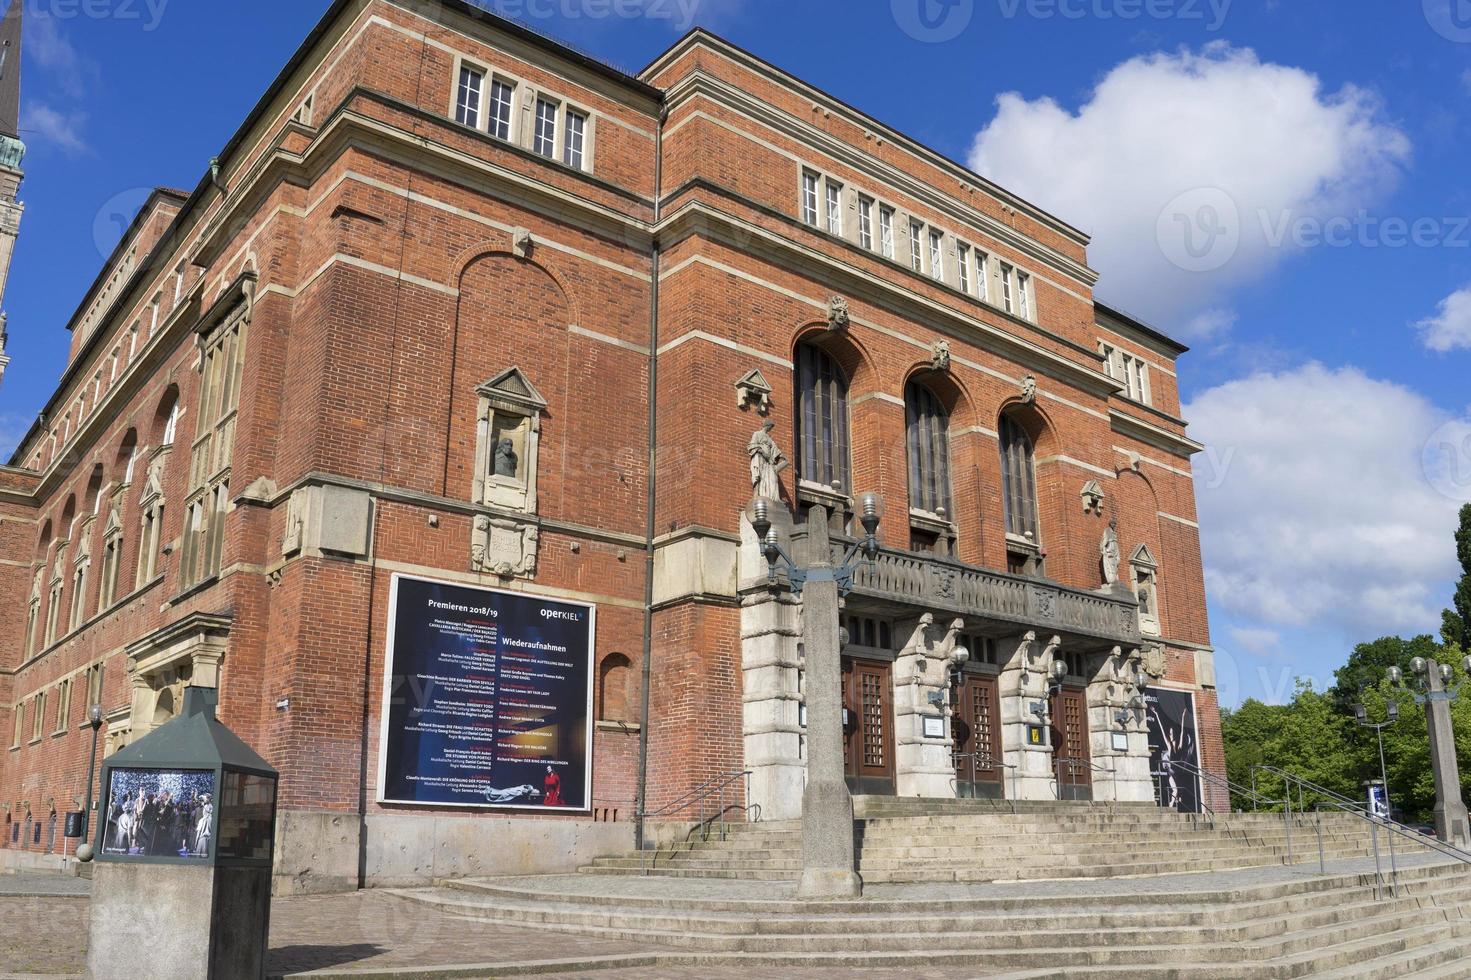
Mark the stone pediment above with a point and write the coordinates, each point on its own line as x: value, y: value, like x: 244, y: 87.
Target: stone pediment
x: 1142, y: 556
x: 511, y: 389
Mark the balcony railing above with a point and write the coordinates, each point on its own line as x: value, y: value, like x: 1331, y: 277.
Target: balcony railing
x: 945, y: 585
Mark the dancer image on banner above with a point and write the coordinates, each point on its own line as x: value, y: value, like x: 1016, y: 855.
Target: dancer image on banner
x: 553, y: 787
x: 1173, y: 749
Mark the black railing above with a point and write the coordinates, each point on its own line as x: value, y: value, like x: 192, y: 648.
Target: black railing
x: 714, y: 793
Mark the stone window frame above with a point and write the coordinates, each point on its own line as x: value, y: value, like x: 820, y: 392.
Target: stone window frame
x: 38, y: 716
x: 33, y: 613
x: 521, y: 128
x: 151, y: 510
x: 81, y: 572
x: 54, y: 595
x: 63, y: 705
x: 508, y: 402
x: 1144, y: 571
x: 18, y: 725
x: 112, y: 559
x: 223, y: 342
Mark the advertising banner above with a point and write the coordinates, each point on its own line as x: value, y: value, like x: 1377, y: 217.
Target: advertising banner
x: 487, y: 698
x: 154, y: 813
x: 1172, y: 740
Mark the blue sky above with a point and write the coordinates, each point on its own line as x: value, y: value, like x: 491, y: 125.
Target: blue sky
x: 1281, y: 185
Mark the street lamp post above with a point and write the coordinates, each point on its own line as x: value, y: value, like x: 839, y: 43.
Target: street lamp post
x: 94, y: 718
x: 1361, y: 718
x: 828, y: 866
x: 1427, y: 686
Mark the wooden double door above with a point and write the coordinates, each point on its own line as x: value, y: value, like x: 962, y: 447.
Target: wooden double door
x: 1070, y: 756
x: 868, y: 726
x: 976, y: 730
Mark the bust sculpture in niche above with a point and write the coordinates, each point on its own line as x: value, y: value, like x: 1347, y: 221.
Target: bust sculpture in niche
x: 506, y: 461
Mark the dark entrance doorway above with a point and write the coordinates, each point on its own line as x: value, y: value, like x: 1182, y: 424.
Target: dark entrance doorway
x: 1070, y: 760
x: 976, y: 727
x: 868, y: 737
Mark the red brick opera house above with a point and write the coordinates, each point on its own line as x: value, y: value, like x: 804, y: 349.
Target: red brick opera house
x: 439, y: 231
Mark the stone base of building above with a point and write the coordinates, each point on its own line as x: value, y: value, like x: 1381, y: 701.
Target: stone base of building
x: 33, y: 862
x: 318, y: 852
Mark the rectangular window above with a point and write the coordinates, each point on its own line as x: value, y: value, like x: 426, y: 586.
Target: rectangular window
x: 467, y: 100
x: 576, y: 136
x: 502, y: 96
x: 834, y: 208
x: 809, y: 198
x: 865, y: 222
x: 983, y: 275
x: 38, y: 720
x: 916, y: 255
x: 962, y: 266
x: 214, y: 446
x: 19, y: 727
x: 886, y: 231
x: 94, y: 685
x: 63, y: 705
x: 1007, y: 299
x: 937, y: 255
x: 1023, y: 295
x: 179, y: 284
x: 545, y: 141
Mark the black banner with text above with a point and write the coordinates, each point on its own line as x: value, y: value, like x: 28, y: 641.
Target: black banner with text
x: 487, y: 698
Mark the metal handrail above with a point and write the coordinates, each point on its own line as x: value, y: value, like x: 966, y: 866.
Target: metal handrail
x: 1073, y: 765
x: 1355, y: 808
x: 989, y: 763
x: 704, y: 793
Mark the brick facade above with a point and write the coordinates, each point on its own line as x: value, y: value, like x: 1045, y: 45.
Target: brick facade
x: 386, y: 260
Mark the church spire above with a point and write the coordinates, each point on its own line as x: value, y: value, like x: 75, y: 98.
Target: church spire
x: 10, y: 70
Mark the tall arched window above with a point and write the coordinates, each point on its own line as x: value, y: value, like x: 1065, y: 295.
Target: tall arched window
x: 822, y: 420
x: 928, y: 427
x: 1018, y: 481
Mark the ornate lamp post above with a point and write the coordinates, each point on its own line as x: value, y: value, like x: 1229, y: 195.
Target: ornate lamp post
x: 94, y: 718
x: 828, y: 868
x: 1427, y: 686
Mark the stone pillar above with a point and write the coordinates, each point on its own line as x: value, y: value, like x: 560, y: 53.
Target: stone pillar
x: 1450, y: 809
x: 828, y: 866
x: 1023, y: 684
x: 1109, y: 693
x: 771, y: 689
x: 923, y: 766
x: 772, y: 703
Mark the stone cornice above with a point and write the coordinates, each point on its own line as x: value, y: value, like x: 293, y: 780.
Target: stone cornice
x: 675, y: 93
x: 699, y: 218
x: 1170, y: 442
x: 213, y: 625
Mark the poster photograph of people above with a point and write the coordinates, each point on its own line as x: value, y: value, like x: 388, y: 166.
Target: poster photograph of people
x: 159, y: 813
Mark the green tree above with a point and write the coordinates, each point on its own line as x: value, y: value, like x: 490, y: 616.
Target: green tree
x: 1369, y: 663
x: 1455, y: 627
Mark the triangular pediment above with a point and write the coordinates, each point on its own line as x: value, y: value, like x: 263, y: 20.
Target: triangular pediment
x: 756, y: 381
x: 1143, y: 556
x: 513, y: 386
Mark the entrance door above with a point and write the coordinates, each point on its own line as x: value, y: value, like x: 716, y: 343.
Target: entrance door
x: 868, y: 737
x: 1070, y: 744
x: 976, y: 726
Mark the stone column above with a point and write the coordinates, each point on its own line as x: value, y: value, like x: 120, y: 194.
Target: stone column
x: 828, y: 867
x: 771, y: 691
x: 923, y: 765
x: 1450, y: 809
x: 1022, y: 684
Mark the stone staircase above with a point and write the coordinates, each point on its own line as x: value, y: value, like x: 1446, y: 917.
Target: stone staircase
x: 1279, y: 922
x: 908, y: 840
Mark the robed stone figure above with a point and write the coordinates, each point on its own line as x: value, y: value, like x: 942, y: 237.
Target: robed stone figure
x: 1109, y: 550
x: 767, y: 461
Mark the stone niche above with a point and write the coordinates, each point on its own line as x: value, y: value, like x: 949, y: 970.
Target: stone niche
x: 507, y: 442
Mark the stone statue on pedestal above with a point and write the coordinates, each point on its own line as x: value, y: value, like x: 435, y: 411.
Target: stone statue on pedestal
x: 1108, y: 548
x: 767, y: 461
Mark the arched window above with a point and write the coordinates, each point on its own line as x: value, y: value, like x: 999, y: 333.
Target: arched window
x: 928, y: 427
x: 1018, y: 481
x: 822, y: 420
x: 166, y: 420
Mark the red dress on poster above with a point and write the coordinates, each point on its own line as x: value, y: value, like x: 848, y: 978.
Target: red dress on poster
x: 553, y: 786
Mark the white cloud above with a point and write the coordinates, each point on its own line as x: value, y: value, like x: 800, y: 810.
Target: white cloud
x: 1450, y: 328
x: 53, y: 51
x: 1245, y: 142
x: 1208, y: 324
x: 58, y: 128
x: 1322, y: 512
x: 1256, y: 640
